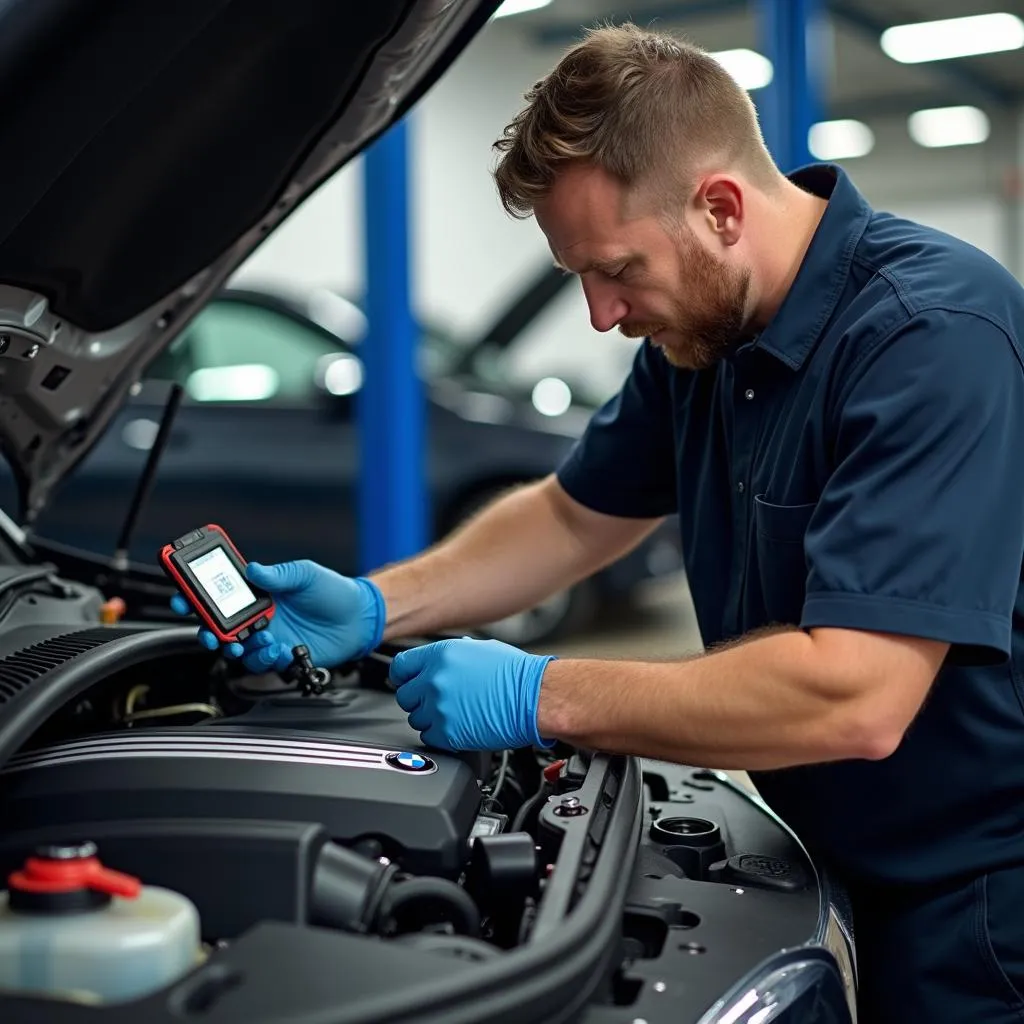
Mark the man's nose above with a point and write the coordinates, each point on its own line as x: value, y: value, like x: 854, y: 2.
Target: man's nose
x: 607, y: 307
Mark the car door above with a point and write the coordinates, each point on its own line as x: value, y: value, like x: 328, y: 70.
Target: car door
x: 259, y: 444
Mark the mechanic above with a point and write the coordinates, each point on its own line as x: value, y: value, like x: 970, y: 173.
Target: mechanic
x: 832, y: 399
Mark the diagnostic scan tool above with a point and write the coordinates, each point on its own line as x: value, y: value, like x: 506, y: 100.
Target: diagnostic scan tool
x: 210, y: 572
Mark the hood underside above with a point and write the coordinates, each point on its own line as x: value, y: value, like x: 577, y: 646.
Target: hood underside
x: 149, y: 148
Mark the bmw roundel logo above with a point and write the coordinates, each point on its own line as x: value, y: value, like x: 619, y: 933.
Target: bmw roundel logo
x: 410, y: 762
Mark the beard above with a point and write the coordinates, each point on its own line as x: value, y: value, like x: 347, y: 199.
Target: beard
x: 697, y: 334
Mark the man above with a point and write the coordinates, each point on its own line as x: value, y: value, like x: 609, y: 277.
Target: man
x: 832, y: 399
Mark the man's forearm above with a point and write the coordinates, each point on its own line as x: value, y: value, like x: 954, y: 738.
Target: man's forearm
x: 769, y: 702
x: 509, y: 557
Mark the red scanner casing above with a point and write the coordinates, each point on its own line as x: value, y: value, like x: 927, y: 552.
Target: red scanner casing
x: 173, y: 559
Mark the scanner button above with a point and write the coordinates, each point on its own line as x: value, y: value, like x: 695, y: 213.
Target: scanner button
x: 243, y: 633
x: 261, y: 623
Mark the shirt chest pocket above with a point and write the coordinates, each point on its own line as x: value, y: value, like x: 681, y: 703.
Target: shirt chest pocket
x: 782, y: 565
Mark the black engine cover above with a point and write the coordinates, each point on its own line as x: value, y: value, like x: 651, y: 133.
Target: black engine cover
x: 420, y: 807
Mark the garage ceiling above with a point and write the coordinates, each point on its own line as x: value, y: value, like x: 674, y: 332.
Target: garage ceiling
x: 864, y: 82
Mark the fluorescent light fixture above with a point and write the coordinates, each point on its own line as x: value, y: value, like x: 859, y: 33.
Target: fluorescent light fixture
x: 840, y: 140
x: 948, y: 126
x: 751, y: 70
x: 953, y: 37
x: 518, y: 7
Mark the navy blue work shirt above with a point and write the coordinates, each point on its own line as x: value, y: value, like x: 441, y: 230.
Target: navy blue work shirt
x: 859, y: 465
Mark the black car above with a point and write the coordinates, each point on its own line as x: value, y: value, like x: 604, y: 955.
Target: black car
x: 335, y: 870
x: 283, y: 372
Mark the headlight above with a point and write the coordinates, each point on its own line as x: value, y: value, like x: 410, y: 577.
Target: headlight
x: 792, y: 984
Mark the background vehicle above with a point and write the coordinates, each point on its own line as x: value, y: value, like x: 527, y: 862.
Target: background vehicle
x: 284, y: 373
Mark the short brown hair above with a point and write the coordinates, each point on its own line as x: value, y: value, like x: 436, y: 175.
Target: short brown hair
x: 646, y: 107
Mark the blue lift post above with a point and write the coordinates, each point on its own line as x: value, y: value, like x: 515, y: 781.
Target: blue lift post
x: 793, y: 39
x: 391, y: 405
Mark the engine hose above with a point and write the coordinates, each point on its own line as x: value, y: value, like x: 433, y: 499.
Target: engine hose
x: 440, y: 899
x: 348, y: 889
x: 499, y: 782
x: 528, y: 808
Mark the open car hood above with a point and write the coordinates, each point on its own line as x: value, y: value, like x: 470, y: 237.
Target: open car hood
x: 150, y: 147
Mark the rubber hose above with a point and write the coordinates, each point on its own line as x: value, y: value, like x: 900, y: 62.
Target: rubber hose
x: 527, y: 808
x: 401, y: 898
x: 348, y: 889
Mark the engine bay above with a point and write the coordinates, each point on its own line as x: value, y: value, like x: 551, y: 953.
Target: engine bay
x: 342, y: 871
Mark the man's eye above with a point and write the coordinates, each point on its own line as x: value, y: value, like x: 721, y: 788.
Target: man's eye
x: 617, y: 272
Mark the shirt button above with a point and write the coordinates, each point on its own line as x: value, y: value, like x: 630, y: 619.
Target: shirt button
x: 748, y: 394
x: 740, y: 487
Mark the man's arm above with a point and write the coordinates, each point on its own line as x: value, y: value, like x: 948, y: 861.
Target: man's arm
x: 779, y: 699
x: 519, y: 550
x: 915, y: 545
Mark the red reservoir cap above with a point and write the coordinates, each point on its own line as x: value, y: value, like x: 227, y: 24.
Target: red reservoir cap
x: 65, y: 869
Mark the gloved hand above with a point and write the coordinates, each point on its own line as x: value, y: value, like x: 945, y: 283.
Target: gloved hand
x: 337, y: 617
x: 471, y: 694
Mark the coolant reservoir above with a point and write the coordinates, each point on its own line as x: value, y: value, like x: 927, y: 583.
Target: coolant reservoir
x: 70, y: 928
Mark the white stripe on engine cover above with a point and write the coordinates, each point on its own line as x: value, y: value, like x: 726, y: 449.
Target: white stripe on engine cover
x: 221, y: 746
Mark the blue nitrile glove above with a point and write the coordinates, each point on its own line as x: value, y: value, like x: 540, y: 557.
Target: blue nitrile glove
x: 337, y: 617
x: 471, y: 694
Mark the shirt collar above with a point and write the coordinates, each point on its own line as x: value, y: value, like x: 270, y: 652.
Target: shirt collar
x: 812, y: 298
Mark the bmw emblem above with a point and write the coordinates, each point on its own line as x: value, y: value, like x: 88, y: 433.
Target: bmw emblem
x: 410, y: 762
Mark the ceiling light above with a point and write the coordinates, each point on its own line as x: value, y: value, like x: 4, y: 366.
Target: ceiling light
x: 750, y: 69
x: 518, y: 7
x: 840, y: 140
x: 948, y: 126
x: 953, y: 37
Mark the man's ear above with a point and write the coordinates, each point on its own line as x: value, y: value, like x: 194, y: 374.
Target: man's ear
x: 720, y: 200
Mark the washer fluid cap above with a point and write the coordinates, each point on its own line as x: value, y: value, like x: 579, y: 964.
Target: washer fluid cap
x: 68, y: 878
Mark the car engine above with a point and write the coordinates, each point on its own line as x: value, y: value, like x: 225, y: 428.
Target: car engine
x: 235, y: 769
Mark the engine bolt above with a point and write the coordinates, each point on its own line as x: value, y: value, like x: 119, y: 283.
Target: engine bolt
x: 570, y: 807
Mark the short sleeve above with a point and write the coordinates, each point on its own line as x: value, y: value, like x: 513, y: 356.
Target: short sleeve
x: 920, y: 528
x: 624, y: 464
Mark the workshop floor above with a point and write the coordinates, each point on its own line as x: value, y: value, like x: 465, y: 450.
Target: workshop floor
x: 662, y: 625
